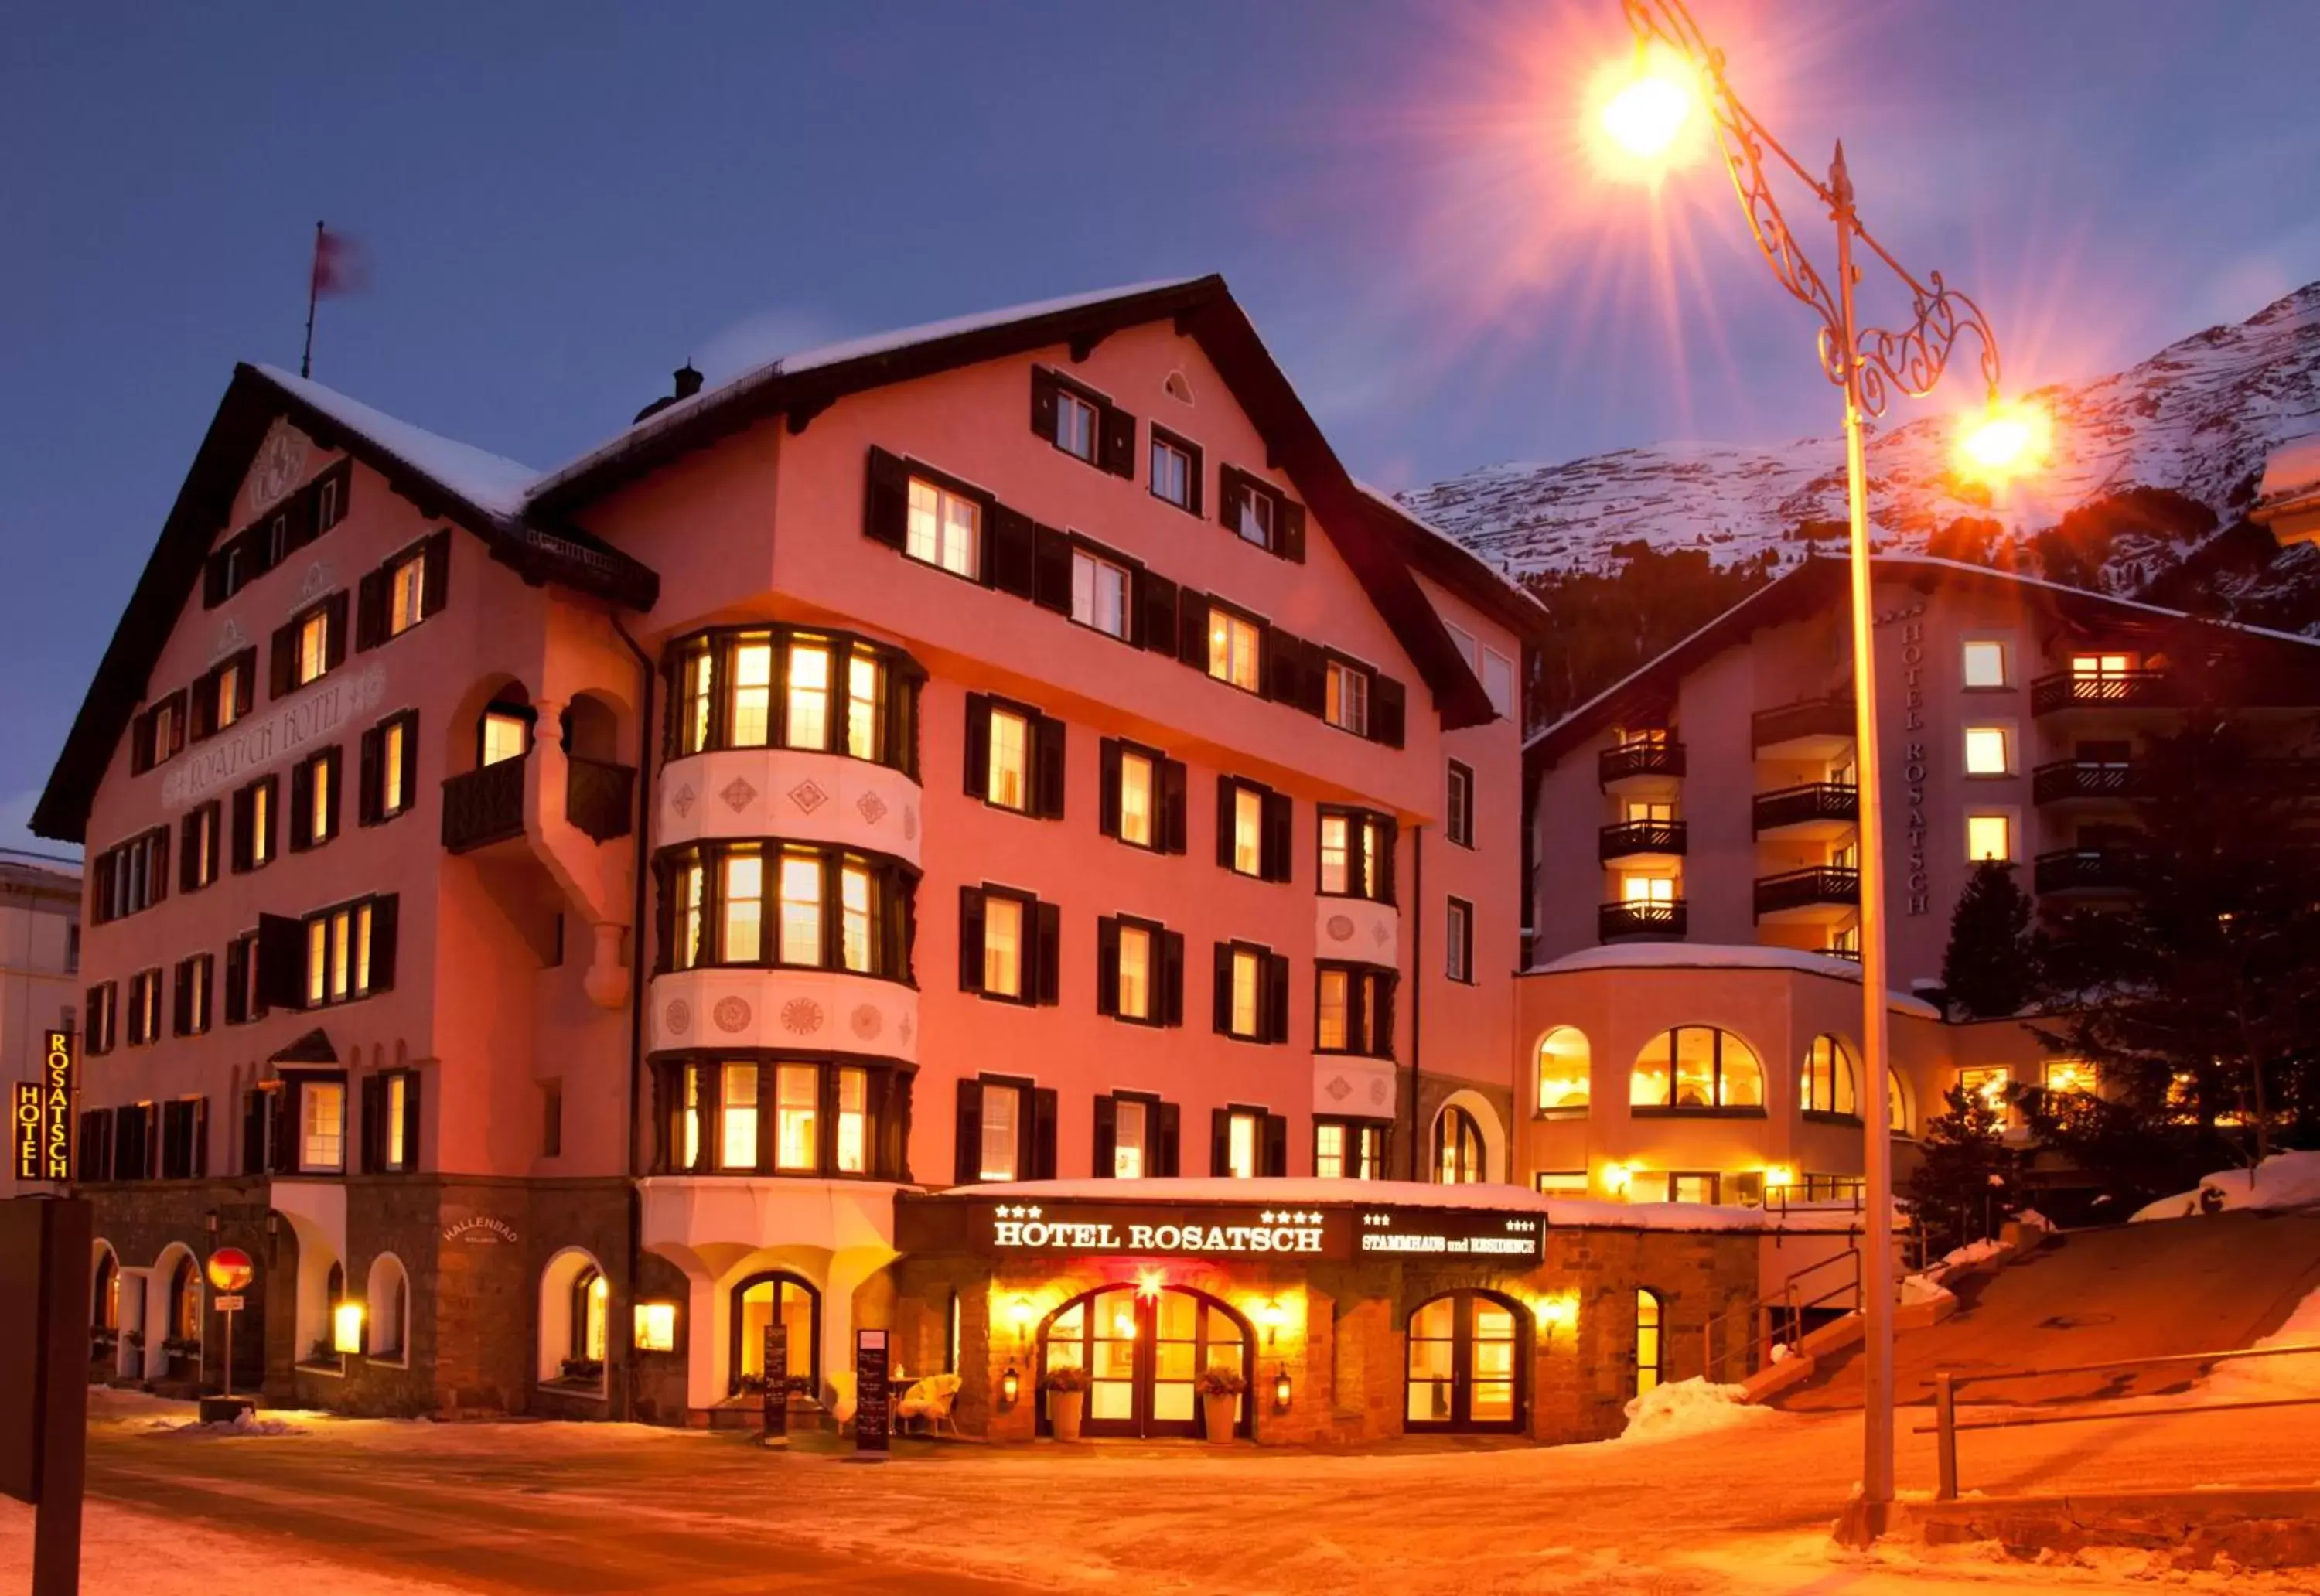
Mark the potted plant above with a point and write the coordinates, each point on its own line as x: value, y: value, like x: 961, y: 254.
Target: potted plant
x: 584, y: 1370
x: 1067, y: 1389
x: 1220, y: 1387
x: 182, y: 1350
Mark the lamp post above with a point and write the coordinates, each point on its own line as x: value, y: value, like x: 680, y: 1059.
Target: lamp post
x: 1645, y: 118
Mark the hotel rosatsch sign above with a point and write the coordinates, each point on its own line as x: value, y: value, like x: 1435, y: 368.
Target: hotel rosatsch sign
x: 45, y: 1114
x: 1235, y: 1231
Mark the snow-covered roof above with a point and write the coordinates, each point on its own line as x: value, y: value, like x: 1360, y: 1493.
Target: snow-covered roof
x: 1722, y: 955
x: 491, y: 482
x: 1580, y: 1211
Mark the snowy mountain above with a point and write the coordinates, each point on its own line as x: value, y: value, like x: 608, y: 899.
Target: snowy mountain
x: 2197, y: 418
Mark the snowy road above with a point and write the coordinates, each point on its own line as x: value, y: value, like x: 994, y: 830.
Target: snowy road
x: 609, y: 1508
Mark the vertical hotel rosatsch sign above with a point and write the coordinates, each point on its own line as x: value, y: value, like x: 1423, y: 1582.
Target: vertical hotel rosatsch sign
x: 45, y: 1114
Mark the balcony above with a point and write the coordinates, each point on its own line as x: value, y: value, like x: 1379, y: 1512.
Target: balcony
x: 2068, y: 781
x: 2127, y: 689
x: 1664, y: 920
x: 1816, y: 809
x: 2088, y: 871
x: 1811, y: 728
x: 484, y: 806
x: 1643, y: 756
x: 600, y: 798
x: 1629, y: 838
x: 1818, y: 892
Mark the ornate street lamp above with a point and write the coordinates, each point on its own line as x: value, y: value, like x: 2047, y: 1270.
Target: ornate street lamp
x: 1677, y: 73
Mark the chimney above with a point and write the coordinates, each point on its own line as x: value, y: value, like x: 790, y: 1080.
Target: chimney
x: 688, y: 384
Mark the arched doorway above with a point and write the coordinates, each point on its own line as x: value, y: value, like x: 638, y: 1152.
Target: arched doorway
x: 1467, y: 1353
x: 761, y: 1302
x: 1142, y: 1349
x: 1457, y: 1147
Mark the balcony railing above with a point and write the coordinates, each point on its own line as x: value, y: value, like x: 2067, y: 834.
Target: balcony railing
x: 1641, y: 836
x: 2065, y: 779
x: 1811, y: 717
x: 1646, y: 756
x: 1814, y: 885
x: 599, y: 798
x: 1814, y: 800
x: 1664, y: 919
x: 2126, y: 689
x: 2088, y: 870
x: 483, y: 806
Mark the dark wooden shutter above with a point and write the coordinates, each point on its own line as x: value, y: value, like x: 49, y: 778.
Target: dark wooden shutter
x: 1315, y: 670
x: 1107, y: 966
x: 370, y: 610
x: 1288, y: 530
x: 385, y: 913
x: 978, y: 746
x: 335, y: 607
x: 282, y: 1130
x: 283, y: 655
x: 1041, y: 1164
x: 1222, y: 1019
x: 1279, y: 837
x: 886, y: 508
x: 1172, y: 979
x: 1007, y: 558
x: 242, y: 823
x: 435, y: 574
x: 1381, y: 1044
x: 1386, y: 828
x: 334, y: 794
x: 1043, y: 402
x: 1107, y: 1136
x: 1118, y: 443
x: 1231, y: 488
x: 1276, y: 1016
x: 1386, y: 711
x: 157, y: 867
x: 367, y: 777
x: 1219, y: 1141
x: 1284, y: 667
x: 966, y: 1165
x: 1048, y: 768
x: 301, y: 803
x: 237, y: 981
x: 1192, y: 628
x: 970, y: 939
x: 213, y: 589
x: 1051, y: 572
x: 253, y: 1106
x: 188, y: 855
x: 245, y: 681
x: 1167, y: 1141
x: 1155, y: 612
x: 1050, y: 948
x: 181, y: 999
x: 410, y: 718
x: 281, y: 962
x: 409, y: 1120
x: 200, y: 1150
x: 1172, y: 806
x: 1226, y: 787
x: 1107, y: 818
x: 374, y: 1122
x: 1276, y: 1144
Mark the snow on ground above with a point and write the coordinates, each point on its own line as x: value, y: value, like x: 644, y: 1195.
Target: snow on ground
x: 2284, y: 1180
x: 1685, y: 1408
x: 126, y: 1553
x: 2260, y: 1379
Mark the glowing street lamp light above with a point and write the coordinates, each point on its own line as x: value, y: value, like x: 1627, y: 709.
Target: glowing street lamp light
x: 1676, y: 68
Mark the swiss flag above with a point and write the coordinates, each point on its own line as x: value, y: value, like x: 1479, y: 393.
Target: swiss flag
x: 340, y: 266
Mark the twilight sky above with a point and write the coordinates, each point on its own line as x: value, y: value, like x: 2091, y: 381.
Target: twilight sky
x: 562, y: 202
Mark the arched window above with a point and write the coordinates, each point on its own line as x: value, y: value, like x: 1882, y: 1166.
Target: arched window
x: 185, y: 1302
x: 1457, y: 1147
x: 1563, y: 1066
x: 575, y: 1312
x: 389, y: 1314
x: 1649, y: 1349
x: 1897, y: 1099
x: 1465, y: 1364
x: 105, y: 1293
x: 1143, y: 1350
x: 1697, y: 1068
x: 503, y: 731
x: 760, y: 1304
x: 1829, y: 1083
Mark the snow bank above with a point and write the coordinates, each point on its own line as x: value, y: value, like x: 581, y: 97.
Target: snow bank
x: 1693, y: 1407
x: 127, y: 1553
x: 2257, y: 1379
x: 2284, y: 1180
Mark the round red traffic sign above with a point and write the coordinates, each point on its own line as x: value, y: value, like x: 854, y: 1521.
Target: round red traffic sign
x: 229, y: 1269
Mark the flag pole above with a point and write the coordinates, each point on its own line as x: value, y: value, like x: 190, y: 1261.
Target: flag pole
x: 313, y: 290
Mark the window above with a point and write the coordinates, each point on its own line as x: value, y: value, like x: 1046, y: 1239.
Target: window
x: 945, y: 529
x: 1246, y: 1143
x: 1129, y: 1147
x: 1647, y: 1342
x: 132, y: 876
x: 1464, y: 1365
x: 1991, y: 1083
x: 1989, y: 837
x: 1988, y: 751
x: 253, y: 824
x: 1014, y: 757
x: 2072, y: 1074
x: 1143, y: 797
x: 1136, y: 1137
x: 805, y: 721
x: 504, y: 733
x: 1346, y: 701
x: 749, y: 713
x: 1001, y: 1116
x: 159, y: 734
x: 390, y: 767
x: 406, y: 605
x: 144, y: 1008
x: 1560, y: 1182
x: 1984, y: 663
x: 322, y: 1127
x: 1254, y: 826
x: 1008, y: 945
x: 803, y: 905
x: 313, y: 642
x: 1006, y: 1130
x: 742, y: 892
x: 221, y: 695
x: 1236, y: 647
x: 350, y: 951
x: 797, y: 1113
x: 1458, y: 1157
x: 1100, y: 593
x: 243, y: 1000
x: 199, y: 847
x: 1252, y: 993
x: 737, y: 1117
x: 1458, y: 941
x: 1076, y: 422
x: 1697, y: 1068
x: 1139, y: 971
x: 1694, y: 1187
x: 1175, y: 470
x: 1828, y: 1085
x: 1565, y: 1071
x: 777, y: 687
x: 1348, y: 1150
x: 1636, y: 889
x: 390, y: 1127
x: 2090, y: 670
x: 1458, y: 806
x: 1352, y: 1010
x: 314, y: 800
x: 1356, y: 856
x: 1499, y: 682
x: 103, y: 1006
x: 194, y: 981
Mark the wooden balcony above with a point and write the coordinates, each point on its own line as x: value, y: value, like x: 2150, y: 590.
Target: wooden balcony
x: 1818, y: 805
x: 1815, y: 887
x: 600, y: 798
x: 2125, y: 690
x: 2088, y: 871
x: 1619, y: 922
x: 2068, y: 781
x: 1801, y: 728
x: 1645, y: 756
x: 1631, y: 838
x: 484, y: 806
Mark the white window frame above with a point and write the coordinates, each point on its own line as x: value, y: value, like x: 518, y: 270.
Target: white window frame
x: 1091, y: 574
x: 1070, y: 407
x: 943, y: 543
x: 1183, y: 498
x: 2010, y: 755
x: 2007, y: 818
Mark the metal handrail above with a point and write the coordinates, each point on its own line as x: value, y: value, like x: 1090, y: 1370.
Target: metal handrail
x: 1945, y: 1425
x: 1779, y: 1306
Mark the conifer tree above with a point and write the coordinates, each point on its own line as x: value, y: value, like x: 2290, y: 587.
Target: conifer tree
x: 1990, y: 969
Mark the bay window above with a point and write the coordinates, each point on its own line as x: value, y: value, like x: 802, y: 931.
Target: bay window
x: 1352, y: 1010
x: 1356, y: 858
x: 830, y: 908
x: 1349, y: 1149
x: 797, y: 1104
x: 825, y: 691
x: 736, y: 1111
x: 784, y: 1115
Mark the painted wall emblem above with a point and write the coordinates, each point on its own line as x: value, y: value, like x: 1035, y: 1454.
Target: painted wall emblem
x: 677, y: 1018
x: 280, y: 465
x: 808, y: 797
x: 1341, y: 928
x: 867, y: 1021
x: 738, y: 794
x: 801, y: 1016
x: 871, y: 808
x: 730, y: 1014
x: 683, y: 801
x: 481, y: 1231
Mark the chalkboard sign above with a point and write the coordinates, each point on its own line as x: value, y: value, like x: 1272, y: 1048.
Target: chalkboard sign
x: 776, y: 1370
x: 873, y: 1416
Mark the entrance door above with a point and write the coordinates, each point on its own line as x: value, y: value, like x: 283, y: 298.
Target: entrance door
x: 762, y: 1301
x: 1465, y: 1365
x: 1142, y: 1354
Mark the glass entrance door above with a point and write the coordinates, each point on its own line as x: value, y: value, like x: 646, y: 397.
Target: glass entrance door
x: 1465, y: 1351
x: 1143, y: 1354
